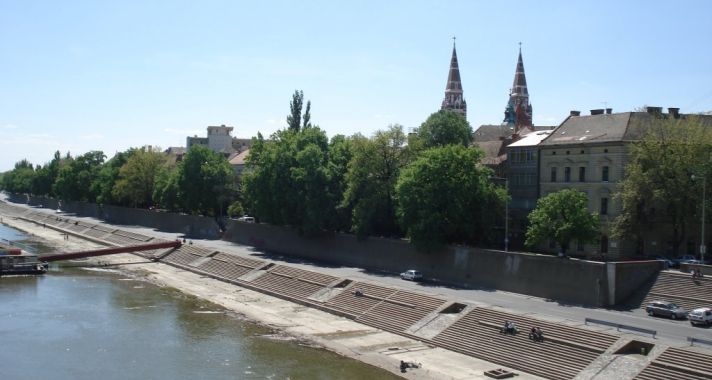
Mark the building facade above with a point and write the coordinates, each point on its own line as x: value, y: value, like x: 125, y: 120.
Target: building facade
x: 522, y: 173
x: 219, y: 139
x: 590, y: 153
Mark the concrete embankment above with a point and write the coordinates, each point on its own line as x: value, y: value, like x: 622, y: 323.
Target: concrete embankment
x: 571, y: 281
x: 338, y: 334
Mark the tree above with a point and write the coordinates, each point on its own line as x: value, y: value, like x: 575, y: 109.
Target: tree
x: 307, y: 116
x: 445, y: 196
x: 107, y: 177
x: 19, y: 179
x: 46, y: 175
x: 294, y: 119
x: 340, y: 154
x: 445, y: 128
x: 658, y: 188
x: 166, y: 189
x: 371, y: 179
x: 75, y: 179
x: 136, y: 178
x: 204, y: 177
x: 288, y: 182
x: 562, y: 216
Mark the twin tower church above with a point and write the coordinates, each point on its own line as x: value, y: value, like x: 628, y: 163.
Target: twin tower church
x: 518, y: 112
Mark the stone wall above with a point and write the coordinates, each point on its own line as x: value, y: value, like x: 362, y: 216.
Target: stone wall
x: 565, y: 280
x: 190, y: 225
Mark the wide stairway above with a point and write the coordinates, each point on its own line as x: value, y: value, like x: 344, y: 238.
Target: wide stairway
x: 681, y: 289
x: 565, y: 351
x: 678, y: 363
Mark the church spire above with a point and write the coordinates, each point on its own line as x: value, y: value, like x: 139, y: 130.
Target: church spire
x: 454, y: 100
x: 518, y: 113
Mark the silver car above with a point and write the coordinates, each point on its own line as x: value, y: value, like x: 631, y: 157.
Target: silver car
x: 701, y: 316
x: 666, y: 309
x: 412, y: 275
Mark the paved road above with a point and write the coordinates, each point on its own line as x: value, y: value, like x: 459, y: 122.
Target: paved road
x: 672, y: 332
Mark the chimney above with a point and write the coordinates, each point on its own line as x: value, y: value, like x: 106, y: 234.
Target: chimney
x: 654, y: 110
x: 597, y: 111
x: 575, y: 113
x: 674, y: 112
x: 609, y: 111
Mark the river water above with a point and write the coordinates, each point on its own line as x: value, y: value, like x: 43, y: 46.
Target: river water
x: 74, y: 323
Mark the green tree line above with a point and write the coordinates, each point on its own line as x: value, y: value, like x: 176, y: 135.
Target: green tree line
x: 427, y: 186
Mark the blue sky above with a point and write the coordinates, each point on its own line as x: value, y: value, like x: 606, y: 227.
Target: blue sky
x: 99, y: 75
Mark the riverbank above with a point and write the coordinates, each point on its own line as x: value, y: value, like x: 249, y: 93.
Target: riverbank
x: 341, y: 335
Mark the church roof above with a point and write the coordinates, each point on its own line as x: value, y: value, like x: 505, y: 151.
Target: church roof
x: 491, y: 132
x: 454, y: 84
x: 519, y: 86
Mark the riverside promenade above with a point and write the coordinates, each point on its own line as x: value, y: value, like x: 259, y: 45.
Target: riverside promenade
x: 382, y: 328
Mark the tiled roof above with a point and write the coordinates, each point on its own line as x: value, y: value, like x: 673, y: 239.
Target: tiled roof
x: 490, y: 132
x: 626, y: 126
x: 239, y: 159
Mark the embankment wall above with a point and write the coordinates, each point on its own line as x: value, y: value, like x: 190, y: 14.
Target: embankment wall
x: 566, y: 280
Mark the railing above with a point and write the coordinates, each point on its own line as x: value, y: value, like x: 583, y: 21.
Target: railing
x: 620, y: 326
x: 692, y: 341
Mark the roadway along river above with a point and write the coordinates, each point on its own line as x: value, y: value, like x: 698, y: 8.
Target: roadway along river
x: 79, y: 324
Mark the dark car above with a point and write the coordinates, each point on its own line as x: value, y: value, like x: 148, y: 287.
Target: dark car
x: 666, y: 309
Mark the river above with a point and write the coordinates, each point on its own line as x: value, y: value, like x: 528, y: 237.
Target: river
x: 77, y: 323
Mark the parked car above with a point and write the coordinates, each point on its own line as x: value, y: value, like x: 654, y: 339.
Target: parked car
x: 246, y: 219
x: 701, y: 316
x: 686, y: 259
x: 412, y: 275
x: 666, y: 309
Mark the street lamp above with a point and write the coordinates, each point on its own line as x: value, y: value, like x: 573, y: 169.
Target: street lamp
x: 506, y: 212
x: 703, y: 248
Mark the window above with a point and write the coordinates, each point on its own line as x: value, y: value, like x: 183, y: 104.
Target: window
x: 553, y: 174
x: 604, y: 244
x: 530, y: 155
x: 582, y: 174
x: 604, y: 206
x: 567, y: 174
x: 604, y: 174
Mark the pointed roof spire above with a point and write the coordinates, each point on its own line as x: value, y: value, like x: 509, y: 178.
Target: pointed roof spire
x: 518, y: 113
x: 519, y: 86
x: 454, y: 100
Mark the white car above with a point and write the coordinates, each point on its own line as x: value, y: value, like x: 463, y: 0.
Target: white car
x: 412, y: 275
x: 246, y: 219
x: 701, y: 316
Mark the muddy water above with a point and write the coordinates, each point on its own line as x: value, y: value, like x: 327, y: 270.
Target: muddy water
x: 74, y: 323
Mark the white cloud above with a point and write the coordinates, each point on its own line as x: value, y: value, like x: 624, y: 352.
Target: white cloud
x: 9, y: 126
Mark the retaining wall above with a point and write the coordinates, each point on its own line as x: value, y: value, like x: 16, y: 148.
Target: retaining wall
x: 567, y: 280
x: 190, y: 225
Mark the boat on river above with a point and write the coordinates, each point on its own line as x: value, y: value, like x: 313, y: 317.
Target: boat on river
x: 14, y: 260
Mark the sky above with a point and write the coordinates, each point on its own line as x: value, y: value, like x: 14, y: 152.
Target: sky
x: 77, y: 76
